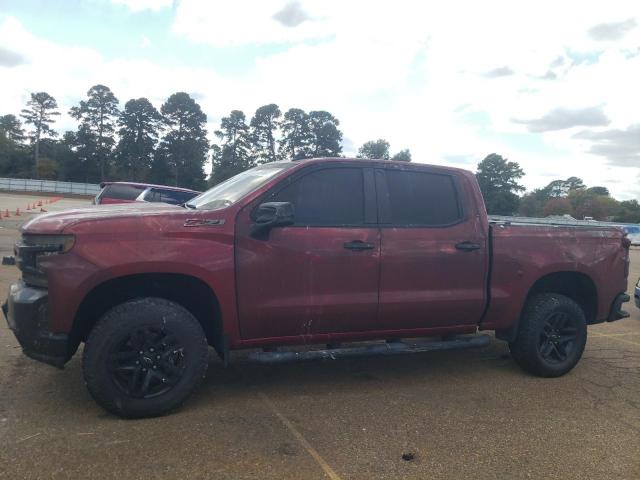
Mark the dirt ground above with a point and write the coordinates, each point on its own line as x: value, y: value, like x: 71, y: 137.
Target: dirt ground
x: 452, y: 415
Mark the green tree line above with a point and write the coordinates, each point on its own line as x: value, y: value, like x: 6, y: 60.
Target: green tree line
x: 498, y: 179
x: 170, y: 146
x: 166, y: 146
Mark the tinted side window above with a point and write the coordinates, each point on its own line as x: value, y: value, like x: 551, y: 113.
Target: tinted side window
x: 122, y: 192
x: 152, y: 196
x: 331, y: 196
x: 420, y: 198
x: 175, y: 197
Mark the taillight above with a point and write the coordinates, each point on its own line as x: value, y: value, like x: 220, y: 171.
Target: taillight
x: 626, y: 243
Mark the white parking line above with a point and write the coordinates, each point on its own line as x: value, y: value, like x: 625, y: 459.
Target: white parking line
x: 300, y: 438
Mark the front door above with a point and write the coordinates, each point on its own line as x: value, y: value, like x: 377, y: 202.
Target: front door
x: 319, y: 275
x: 434, y: 253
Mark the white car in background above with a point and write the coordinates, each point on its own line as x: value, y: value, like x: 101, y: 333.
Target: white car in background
x: 633, y: 233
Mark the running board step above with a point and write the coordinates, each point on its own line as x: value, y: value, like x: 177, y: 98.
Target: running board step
x: 389, y: 348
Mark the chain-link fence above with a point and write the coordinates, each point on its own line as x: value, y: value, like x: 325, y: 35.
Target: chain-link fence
x: 48, y: 186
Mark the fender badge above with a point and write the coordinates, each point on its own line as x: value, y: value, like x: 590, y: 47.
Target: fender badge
x: 198, y: 222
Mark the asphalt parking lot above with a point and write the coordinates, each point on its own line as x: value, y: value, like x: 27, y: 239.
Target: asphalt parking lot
x: 452, y: 415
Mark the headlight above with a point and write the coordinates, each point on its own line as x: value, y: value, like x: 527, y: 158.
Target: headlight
x: 32, y: 248
x: 50, y: 243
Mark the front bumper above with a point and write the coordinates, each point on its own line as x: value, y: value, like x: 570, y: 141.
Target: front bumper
x: 26, y: 311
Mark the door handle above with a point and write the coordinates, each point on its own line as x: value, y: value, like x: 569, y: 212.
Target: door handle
x: 468, y: 246
x: 358, y: 245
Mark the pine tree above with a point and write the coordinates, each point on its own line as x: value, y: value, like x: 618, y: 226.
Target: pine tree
x: 139, y: 124
x: 295, y: 143
x: 184, y: 147
x: 11, y: 128
x: 41, y: 109
x: 326, y: 138
x: 264, y: 125
x: 15, y: 159
x: 234, y: 156
x: 97, y: 115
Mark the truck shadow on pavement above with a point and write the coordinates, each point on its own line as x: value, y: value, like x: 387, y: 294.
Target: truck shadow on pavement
x: 63, y: 392
x: 351, y: 375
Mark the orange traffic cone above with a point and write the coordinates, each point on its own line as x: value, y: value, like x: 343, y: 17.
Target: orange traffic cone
x: 28, y: 206
x: 42, y: 209
x: 39, y: 203
x: 6, y: 213
x: 17, y: 212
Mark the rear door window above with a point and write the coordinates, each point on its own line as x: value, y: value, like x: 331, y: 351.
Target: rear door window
x: 421, y: 198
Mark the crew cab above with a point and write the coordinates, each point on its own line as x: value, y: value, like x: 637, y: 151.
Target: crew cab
x: 321, y: 252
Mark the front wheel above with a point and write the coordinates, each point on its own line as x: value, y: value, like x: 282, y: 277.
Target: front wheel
x: 144, y: 358
x: 551, y: 336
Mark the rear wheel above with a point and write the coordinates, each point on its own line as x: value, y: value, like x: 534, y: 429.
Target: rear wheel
x: 144, y: 358
x: 551, y: 336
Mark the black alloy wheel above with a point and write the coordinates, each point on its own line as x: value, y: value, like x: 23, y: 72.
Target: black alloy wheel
x: 551, y: 336
x: 145, y: 357
x: 558, y: 337
x: 147, y: 362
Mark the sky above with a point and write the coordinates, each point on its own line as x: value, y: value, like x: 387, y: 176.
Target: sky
x: 554, y: 86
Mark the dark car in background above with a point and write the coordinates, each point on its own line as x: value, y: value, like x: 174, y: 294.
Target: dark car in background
x: 126, y: 192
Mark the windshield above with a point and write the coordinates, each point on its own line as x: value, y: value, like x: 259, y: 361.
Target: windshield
x: 231, y: 190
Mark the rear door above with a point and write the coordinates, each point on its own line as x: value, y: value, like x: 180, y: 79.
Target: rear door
x: 433, y: 254
x: 319, y: 275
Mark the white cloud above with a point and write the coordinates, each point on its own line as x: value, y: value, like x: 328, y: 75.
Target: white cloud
x: 411, y: 72
x: 140, y: 5
x: 9, y: 58
x: 242, y: 22
x: 67, y: 73
x: 613, y: 30
x: 563, y: 118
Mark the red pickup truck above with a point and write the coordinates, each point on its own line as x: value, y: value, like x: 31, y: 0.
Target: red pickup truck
x: 316, y: 252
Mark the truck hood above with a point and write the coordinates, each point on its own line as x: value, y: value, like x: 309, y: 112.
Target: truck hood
x: 56, y: 222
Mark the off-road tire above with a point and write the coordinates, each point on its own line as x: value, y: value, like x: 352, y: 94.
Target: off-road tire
x: 535, y: 335
x: 121, y: 326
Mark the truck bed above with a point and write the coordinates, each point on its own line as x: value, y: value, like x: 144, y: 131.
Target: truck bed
x: 559, y: 222
x: 525, y: 251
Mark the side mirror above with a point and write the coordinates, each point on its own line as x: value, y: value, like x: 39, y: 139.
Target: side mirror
x: 270, y: 215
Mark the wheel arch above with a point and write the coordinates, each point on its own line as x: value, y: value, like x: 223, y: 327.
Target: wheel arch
x: 188, y: 291
x: 578, y: 286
